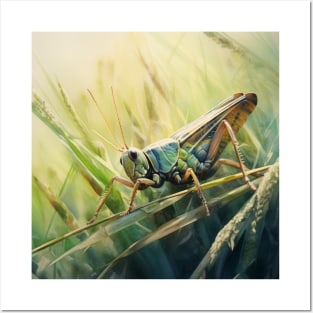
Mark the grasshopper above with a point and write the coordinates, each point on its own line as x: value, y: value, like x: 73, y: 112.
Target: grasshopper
x: 191, y: 154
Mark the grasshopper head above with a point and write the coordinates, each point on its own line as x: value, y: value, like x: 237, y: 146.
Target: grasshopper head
x: 135, y: 163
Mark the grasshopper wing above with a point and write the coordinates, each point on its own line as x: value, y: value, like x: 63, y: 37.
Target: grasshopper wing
x: 235, y: 110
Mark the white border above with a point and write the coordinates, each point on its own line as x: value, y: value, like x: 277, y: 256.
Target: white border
x: 19, y: 19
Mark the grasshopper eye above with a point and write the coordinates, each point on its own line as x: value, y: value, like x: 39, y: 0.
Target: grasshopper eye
x: 132, y: 154
x: 121, y: 161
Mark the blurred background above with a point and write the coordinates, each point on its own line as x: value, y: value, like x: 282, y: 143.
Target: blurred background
x: 161, y: 81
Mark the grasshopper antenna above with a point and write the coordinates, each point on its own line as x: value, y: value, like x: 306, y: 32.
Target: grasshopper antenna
x: 106, y: 124
x: 119, y: 122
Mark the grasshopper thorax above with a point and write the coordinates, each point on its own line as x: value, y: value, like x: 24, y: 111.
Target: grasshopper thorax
x: 135, y: 163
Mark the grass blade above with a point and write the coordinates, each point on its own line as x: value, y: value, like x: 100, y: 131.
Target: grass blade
x: 233, y: 229
x: 115, y: 223
x: 179, y: 222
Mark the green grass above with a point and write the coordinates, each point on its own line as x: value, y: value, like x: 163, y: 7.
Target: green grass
x: 163, y: 81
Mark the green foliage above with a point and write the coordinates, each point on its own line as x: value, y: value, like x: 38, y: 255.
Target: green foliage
x: 164, y: 81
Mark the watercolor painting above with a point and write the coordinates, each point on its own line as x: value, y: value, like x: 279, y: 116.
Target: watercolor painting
x: 172, y: 139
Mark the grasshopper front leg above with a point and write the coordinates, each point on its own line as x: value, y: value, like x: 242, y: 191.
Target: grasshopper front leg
x: 105, y: 196
x: 139, y: 182
x: 127, y: 183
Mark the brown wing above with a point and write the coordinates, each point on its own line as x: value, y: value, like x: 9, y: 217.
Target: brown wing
x: 235, y: 110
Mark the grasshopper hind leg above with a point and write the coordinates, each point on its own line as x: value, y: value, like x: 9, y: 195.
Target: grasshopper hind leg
x: 198, y: 166
x: 223, y: 128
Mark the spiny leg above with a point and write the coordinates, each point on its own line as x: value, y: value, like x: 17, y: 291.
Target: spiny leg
x: 189, y: 172
x: 139, y: 182
x: 214, y: 146
x: 232, y: 163
x: 107, y: 193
